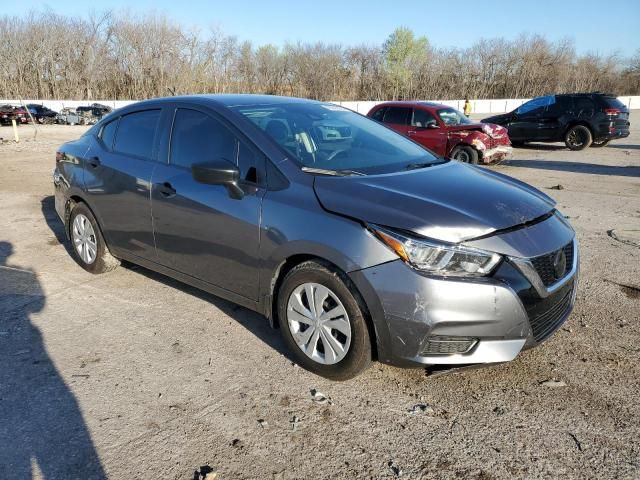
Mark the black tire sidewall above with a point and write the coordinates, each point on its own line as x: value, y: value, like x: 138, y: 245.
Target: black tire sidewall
x: 98, y: 265
x: 359, y: 355
x: 586, y: 144
x: 471, y: 152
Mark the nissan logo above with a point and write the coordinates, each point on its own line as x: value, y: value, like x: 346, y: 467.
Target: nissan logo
x: 559, y: 264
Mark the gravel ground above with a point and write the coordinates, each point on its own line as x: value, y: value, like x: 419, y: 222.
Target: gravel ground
x: 133, y: 375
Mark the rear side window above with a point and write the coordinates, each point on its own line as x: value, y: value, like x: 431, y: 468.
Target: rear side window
x: 136, y: 133
x: 379, y: 114
x: 584, y: 104
x: 397, y: 115
x: 422, y: 118
x: 108, y: 133
x: 198, y: 138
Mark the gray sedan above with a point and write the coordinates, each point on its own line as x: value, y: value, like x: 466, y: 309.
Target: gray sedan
x: 356, y: 242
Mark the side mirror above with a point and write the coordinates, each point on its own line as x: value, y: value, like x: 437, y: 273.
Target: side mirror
x: 219, y: 172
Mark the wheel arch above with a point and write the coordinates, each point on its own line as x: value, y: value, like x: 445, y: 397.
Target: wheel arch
x: 288, y: 264
x: 574, y: 123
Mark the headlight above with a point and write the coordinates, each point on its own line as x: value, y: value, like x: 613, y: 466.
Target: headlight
x: 438, y: 259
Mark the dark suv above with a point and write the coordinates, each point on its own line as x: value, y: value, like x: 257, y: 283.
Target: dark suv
x: 580, y: 120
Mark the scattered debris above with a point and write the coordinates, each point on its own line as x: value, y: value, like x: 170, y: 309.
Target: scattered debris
x: 263, y: 423
x: 319, y: 397
x: 500, y: 410
x: 422, y: 409
x: 236, y: 442
x: 294, y: 422
x: 80, y: 375
x: 205, y: 473
x: 630, y: 237
x: 553, y: 383
x: 557, y: 187
x: 629, y: 290
x: 575, y: 439
x: 397, y: 471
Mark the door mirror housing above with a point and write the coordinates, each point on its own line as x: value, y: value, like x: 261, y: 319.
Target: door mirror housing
x: 219, y: 172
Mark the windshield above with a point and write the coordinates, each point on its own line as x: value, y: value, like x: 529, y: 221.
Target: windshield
x: 328, y: 137
x: 451, y: 116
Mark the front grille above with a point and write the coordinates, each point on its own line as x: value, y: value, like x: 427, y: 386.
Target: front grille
x: 544, y: 265
x: 545, y: 323
x: 443, y: 345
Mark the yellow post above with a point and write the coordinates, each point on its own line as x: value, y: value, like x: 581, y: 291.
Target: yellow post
x: 15, y: 130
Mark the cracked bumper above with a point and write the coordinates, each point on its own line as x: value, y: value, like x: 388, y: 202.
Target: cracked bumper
x: 497, y: 153
x: 409, y: 310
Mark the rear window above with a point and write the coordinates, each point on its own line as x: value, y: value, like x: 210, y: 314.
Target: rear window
x: 613, y: 102
x: 136, y: 132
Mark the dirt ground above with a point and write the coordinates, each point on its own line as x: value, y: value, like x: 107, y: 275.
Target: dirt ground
x: 132, y: 375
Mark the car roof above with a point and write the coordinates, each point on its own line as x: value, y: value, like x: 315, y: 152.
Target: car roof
x: 228, y: 100
x: 413, y: 103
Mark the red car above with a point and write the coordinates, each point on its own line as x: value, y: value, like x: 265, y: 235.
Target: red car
x: 12, y: 112
x: 445, y: 131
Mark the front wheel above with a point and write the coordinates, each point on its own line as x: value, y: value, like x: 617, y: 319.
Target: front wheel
x: 322, y: 322
x: 600, y: 143
x: 578, y: 137
x: 465, y: 154
x: 89, y: 248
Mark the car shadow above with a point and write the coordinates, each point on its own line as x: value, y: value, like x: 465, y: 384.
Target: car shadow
x: 41, y: 423
x: 252, y: 321
x: 623, y: 146
x: 540, y: 147
x: 48, y: 208
x: 576, y: 167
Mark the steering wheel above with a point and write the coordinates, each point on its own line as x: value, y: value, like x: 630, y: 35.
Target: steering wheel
x: 335, y: 153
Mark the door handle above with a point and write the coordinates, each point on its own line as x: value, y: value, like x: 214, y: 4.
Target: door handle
x: 94, y: 162
x: 166, y: 189
x: 412, y: 132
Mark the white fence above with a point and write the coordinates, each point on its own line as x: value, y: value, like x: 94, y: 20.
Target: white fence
x: 478, y: 106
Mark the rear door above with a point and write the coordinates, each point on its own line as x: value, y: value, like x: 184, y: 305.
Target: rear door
x: 199, y: 229
x: 398, y: 119
x: 118, y: 179
x: 425, y: 129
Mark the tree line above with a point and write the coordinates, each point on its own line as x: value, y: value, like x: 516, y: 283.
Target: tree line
x: 110, y: 56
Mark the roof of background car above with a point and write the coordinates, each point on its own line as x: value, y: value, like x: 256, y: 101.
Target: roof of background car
x: 412, y: 103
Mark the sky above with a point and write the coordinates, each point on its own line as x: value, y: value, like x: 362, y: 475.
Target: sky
x: 595, y: 26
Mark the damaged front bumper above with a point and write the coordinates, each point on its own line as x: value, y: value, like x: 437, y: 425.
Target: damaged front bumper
x: 421, y: 320
x: 497, y: 153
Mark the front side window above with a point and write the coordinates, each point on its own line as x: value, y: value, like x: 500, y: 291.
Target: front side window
x: 422, y: 119
x: 329, y: 137
x: 452, y: 117
x: 536, y: 104
x: 136, y: 133
x: 199, y: 138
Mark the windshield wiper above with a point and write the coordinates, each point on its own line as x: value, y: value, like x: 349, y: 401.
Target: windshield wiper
x: 335, y: 173
x: 415, y: 166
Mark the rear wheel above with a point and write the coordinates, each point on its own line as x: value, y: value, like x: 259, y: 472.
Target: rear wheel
x: 322, y: 323
x: 465, y: 154
x: 578, y: 137
x: 600, y: 143
x: 89, y: 248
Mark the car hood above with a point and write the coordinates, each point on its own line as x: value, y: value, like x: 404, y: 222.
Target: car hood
x: 450, y: 202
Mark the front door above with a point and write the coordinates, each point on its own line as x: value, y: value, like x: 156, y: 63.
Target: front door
x: 426, y: 130
x: 199, y: 229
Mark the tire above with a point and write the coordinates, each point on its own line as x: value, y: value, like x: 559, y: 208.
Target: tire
x: 350, y: 330
x: 578, y: 137
x: 465, y: 154
x: 90, y: 250
x: 600, y: 143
